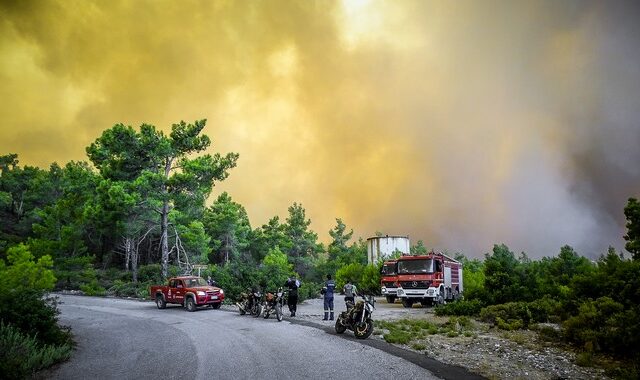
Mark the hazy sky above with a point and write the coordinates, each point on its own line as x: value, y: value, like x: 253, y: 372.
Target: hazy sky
x: 462, y: 124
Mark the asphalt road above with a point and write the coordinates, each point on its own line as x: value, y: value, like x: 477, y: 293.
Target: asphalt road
x: 130, y: 339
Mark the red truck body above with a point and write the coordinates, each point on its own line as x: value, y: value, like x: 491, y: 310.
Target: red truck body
x: 389, y: 279
x: 429, y: 279
x: 189, y: 291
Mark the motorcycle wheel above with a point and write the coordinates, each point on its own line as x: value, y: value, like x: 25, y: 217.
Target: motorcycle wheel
x: 340, y: 328
x: 279, y: 313
x: 267, y: 313
x: 363, y: 330
x: 258, y: 311
x: 242, y: 311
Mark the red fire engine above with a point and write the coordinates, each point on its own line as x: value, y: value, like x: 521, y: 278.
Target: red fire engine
x: 430, y: 279
x: 388, y: 280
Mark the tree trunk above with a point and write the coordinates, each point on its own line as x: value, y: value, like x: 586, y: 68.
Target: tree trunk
x: 164, y: 221
x: 127, y: 252
x: 134, y: 262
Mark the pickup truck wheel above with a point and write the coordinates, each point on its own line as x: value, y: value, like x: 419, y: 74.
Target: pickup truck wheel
x: 190, y: 304
x: 160, y: 302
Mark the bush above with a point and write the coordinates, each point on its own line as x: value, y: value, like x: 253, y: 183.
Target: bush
x: 545, y: 310
x: 129, y: 289
x: 309, y: 290
x: 22, y: 355
x: 30, y: 313
x: 370, y: 279
x: 151, y: 273
x: 604, y: 325
x: 510, y: 325
x: 93, y: 289
x: 74, y: 272
x: 351, y: 272
x: 460, y: 307
x: 509, y: 313
x: 398, y: 336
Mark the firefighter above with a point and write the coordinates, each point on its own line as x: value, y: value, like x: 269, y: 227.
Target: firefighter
x: 327, y: 292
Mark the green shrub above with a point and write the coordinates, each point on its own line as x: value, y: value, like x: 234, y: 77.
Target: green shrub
x: 604, y: 325
x: 509, y: 312
x: 369, y: 282
x: 73, y: 272
x: 509, y: 325
x: 549, y: 333
x: 151, y: 273
x: 545, y: 310
x: 309, y: 290
x: 459, y: 323
x: 418, y: 346
x: 460, y: 307
x: 22, y: 355
x: 93, y: 289
x: 585, y: 359
x: 351, y: 272
x: 398, y: 336
x: 129, y: 289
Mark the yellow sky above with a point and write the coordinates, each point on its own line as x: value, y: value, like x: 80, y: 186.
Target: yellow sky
x: 463, y: 124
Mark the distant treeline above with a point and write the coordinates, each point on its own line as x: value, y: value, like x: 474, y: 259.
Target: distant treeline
x: 135, y: 213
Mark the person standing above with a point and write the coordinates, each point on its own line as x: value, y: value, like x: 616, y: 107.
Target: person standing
x: 327, y: 292
x: 292, y: 300
x: 350, y: 291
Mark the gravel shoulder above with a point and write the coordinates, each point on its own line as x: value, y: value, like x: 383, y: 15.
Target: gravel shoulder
x: 491, y: 353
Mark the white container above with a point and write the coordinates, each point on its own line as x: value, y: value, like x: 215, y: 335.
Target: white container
x: 382, y: 247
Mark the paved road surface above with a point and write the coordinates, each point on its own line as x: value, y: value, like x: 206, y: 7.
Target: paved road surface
x: 131, y: 339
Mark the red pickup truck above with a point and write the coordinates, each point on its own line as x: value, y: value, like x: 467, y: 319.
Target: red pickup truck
x: 188, y: 291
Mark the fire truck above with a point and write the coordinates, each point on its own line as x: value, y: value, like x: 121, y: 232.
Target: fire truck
x: 429, y: 279
x: 388, y: 280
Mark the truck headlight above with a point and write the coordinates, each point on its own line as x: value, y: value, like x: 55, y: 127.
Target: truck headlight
x: 201, y: 293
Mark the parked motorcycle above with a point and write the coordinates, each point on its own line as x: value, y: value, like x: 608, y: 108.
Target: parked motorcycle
x: 273, y: 304
x: 357, y: 318
x: 244, y: 305
x: 250, y: 302
x: 256, y: 303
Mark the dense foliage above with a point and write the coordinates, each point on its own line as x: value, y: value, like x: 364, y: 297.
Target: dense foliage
x: 137, y: 214
x: 30, y: 338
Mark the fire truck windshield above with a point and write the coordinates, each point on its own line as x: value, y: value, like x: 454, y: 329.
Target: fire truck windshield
x: 389, y: 269
x: 415, y: 266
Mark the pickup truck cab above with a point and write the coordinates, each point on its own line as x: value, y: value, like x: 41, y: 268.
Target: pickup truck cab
x: 188, y: 291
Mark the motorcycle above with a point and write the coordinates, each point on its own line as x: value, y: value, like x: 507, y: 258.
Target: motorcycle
x: 256, y: 304
x: 273, y: 303
x: 357, y: 318
x: 250, y: 303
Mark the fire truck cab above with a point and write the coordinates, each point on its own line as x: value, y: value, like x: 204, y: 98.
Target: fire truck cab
x: 388, y: 280
x: 429, y: 279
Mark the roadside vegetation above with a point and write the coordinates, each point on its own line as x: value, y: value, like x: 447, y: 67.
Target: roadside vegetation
x: 30, y: 338
x: 136, y: 213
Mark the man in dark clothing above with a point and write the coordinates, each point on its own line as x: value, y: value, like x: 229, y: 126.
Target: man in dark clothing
x: 327, y: 291
x: 292, y: 300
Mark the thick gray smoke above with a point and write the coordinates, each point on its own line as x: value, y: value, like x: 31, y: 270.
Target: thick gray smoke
x: 462, y: 124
